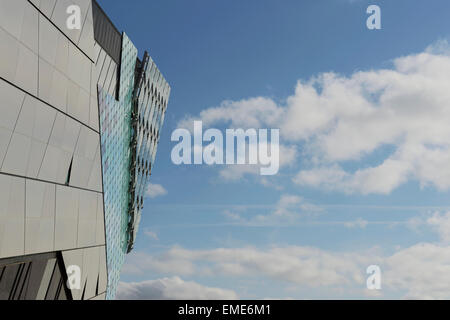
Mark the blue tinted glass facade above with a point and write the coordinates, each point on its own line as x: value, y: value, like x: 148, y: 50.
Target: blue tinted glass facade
x: 115, y: 120
x: 150, y: 104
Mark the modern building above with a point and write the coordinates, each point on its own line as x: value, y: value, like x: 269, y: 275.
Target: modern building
x: 80, y: 116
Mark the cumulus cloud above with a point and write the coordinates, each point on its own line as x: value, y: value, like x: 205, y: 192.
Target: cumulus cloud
x: 338, y: 118
x: 358, y: 223
x: 253, y: 113
x: 422, y: 270
x: 155, y: 190
x: 300, y: 265
x: 151, y: 234
x: 287, y: 157
x: 139, y: 263
x: 171, y: 289
x: 418, y: 272
x: 289, y: 209
x: 439, y: 222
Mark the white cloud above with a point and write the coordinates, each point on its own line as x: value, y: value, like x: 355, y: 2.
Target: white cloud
x: 358, y: 223
x: 151, y: 234
x: 171, y: 289
x: 287, y: 157
x: 138, y: 263
x: 407, y: 107
x: 289, y: 209
x: 441, y: 223
x: 155, y: 190
x: 252, y: 113
x: 300, y: 265
x: 438, y: 221
x: 422, y: 270
x: 237, y: 172
x: 417, y: 272
x: 340, y: 118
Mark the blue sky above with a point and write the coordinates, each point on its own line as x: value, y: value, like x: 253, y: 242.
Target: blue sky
x: 364, y: 179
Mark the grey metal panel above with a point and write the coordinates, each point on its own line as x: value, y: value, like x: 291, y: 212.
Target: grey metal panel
x: 59, y: 18
x: 87, y: 219
x: 26, y: 76
x: 104, y: 71
x: 95, y: 179
x: 100, y: 297
x: 83, y: 107
x: 79, y: 68
x: 55, y: 165
x: 65, y: 133
x: 29, y: 30
x: 62, y: 54
x: 48, y: 40
x: 9, y: 48
x: 12, y: 216
x: 75, y: 258
x: 93, y: 116
x: 53, y: 86
x: 66, y: 222
x: 17, y: 155
x: 46, y: 279
x: 100, y: 224
x: 86, y: 42
x: 73, y: 94
x: 36, y: 120
x: 37, y: 154
x: 78, y: 102
x: 84, y: 156
x: 91, y: 261
x: 103, y: 276
x: 99, y: 66
x: 5, y: 138
x: 11, y: 100
x: 97, y: 50
x: 45, y: 6
x: 40, y: 217
x: 12, y: 16
x: 60, y: 149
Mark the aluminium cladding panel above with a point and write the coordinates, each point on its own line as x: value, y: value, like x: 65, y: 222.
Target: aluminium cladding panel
x: 92, y: 262
x: 40, y: 59
x: 39, y: 142
x: 19, y: 44
x: 44, y: 276
x: 42, y: 138
x: 57, y: 12
x: 34, y: 277
x: 50, y: 162
x: 115, y: 124
x: 36, y: 216
x: 105, y: 73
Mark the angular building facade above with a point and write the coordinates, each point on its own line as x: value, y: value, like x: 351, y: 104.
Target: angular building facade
x: 80, y: 116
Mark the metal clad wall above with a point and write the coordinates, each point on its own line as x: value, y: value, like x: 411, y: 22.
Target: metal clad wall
x: 51, y: 193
